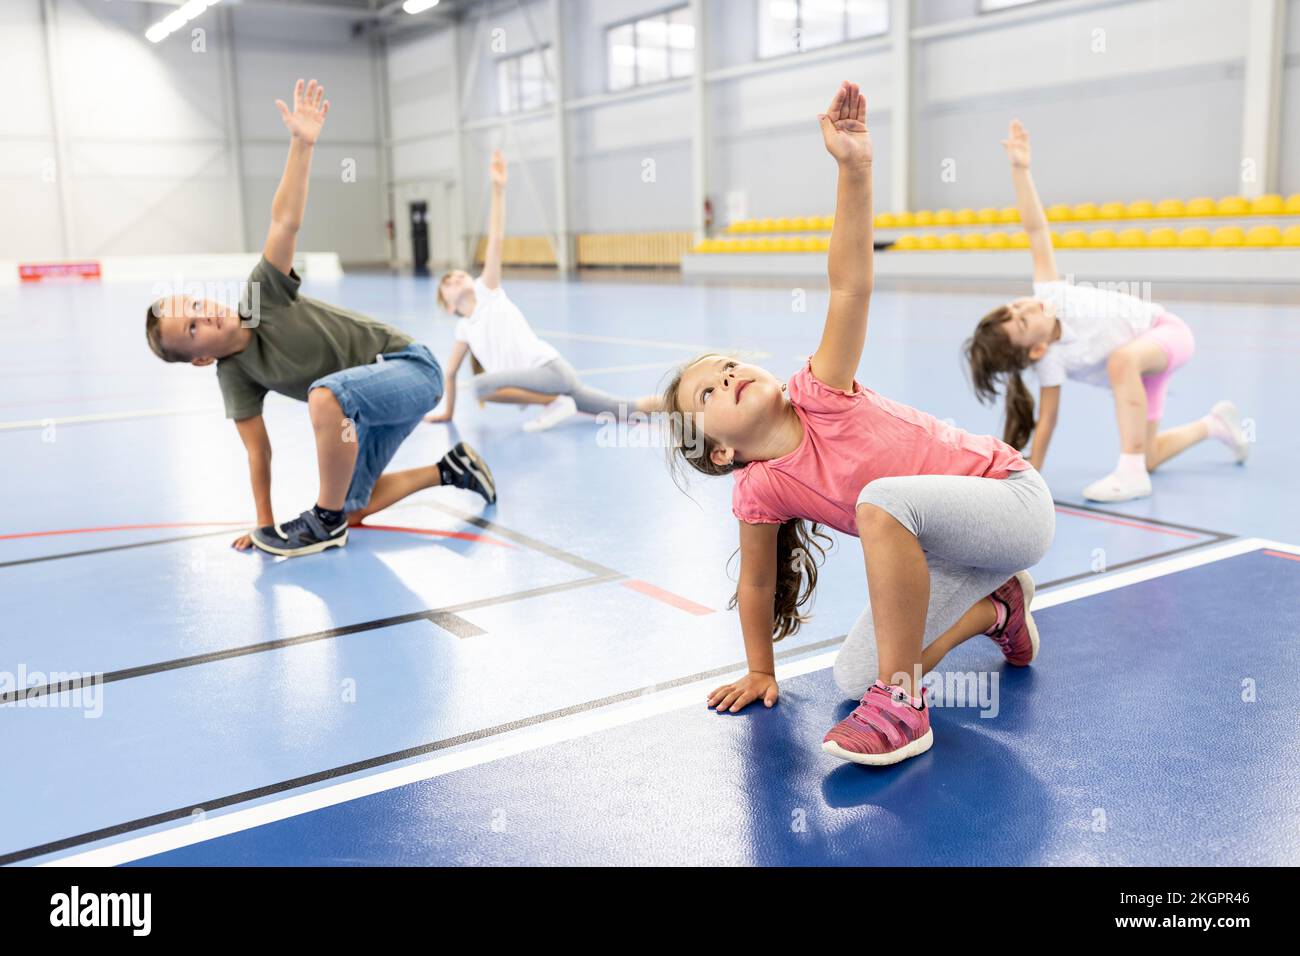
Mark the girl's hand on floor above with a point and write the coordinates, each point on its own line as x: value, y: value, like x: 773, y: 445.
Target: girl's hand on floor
x: 844, y: 127
x: 440, y: 417
x: 753, y: 686
x: 243, y: 542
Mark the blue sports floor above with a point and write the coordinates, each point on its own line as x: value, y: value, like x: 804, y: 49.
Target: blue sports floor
x: 525, y: 684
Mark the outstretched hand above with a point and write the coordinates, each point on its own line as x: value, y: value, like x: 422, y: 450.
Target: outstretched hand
x: 1017, y: 144
x: 309, y: 110
x: 844, y: 126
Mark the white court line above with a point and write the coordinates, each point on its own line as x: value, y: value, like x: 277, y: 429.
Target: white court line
x: 571, y: 728
x: 108, y: 417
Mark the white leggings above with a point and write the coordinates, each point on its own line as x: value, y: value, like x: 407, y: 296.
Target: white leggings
x: 556, y: 377
x: 975, y: 532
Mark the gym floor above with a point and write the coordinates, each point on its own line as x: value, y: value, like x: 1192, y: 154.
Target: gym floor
x: 525, y: 683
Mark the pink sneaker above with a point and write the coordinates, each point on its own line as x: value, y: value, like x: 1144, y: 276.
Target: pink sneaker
x: 885, y: 728
x: 1015, y: 631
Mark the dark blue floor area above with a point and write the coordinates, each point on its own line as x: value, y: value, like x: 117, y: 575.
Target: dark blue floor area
x: 1125, y: 744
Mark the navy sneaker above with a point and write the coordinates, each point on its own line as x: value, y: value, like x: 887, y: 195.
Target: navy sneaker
x: 305, y: 534
x: 463, y: 468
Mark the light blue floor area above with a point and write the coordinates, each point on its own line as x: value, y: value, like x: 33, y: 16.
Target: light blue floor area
x: 95, y: 433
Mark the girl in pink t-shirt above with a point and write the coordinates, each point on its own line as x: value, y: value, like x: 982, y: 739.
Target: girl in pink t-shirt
x: 948, y: 520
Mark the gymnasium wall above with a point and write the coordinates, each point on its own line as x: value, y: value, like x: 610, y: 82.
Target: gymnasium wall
x: 1290, y: 147
x: 149, y: 131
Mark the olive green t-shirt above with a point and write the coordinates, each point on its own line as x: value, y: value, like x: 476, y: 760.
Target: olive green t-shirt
x: 296, y: 340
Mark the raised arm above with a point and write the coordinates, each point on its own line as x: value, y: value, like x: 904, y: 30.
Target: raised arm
x: 496, y: 223
x: 304, y: 124
x: 849, y: 264
x: 1031, y: 208
x: 755, y: 595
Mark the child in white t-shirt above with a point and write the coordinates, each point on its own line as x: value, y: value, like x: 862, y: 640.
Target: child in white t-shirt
x: 513, y: 365
x: 1099, y: 336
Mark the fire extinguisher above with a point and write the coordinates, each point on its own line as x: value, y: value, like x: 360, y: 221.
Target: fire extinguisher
x: 708, y: 215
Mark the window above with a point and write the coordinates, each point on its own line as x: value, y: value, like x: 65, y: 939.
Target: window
x: 791, y: 26
x: 987, y: 6
x: 522, y: 81
x: 651, y: 49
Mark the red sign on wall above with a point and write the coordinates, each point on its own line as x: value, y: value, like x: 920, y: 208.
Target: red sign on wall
x: 57, y: 271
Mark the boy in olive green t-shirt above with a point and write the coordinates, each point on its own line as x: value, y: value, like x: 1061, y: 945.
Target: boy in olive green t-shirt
x: 366, y: 384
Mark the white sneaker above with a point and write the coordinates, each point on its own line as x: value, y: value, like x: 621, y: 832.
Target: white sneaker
x: 1235, y: 438
x: 552, y: 414
x: 1117, y: 487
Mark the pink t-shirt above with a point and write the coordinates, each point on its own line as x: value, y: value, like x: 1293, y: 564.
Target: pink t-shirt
x: 849, y: 441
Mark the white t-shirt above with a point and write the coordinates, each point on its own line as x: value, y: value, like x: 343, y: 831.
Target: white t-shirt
x: 499, y: 335
x: 1094, y: 323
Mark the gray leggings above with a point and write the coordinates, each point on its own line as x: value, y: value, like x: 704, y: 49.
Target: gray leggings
x: 556, y: 377
x: 975, y: 532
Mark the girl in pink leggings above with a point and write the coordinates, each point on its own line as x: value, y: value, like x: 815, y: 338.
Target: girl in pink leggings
x: 1095, y: 335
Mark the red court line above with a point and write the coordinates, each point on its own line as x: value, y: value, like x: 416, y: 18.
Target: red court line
x: 668, y: 597
x: 462, y: 535
x: 1127, y: 524
x: 121, y: 527
x: 1282, y: 554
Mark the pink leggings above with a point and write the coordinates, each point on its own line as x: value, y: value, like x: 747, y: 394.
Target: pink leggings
x: 1171, y: 334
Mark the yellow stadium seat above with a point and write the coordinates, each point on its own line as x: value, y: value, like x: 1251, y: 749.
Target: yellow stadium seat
x: 827, y: 223
x: 1232, y: 206
x: 1018, y: 240
x: 1196, y: 237
x: 907, y: 243
x: 1074, y: 239
x: 1112, y: 210
x: 924, y: 217
x: 997, y: 240
x: 944, y: 217
x: 1292, y: 205
x: 798, y: 224
x: 929, y: 241
x: 1229, y: 236
x: 1085, y: 211
x: 782, y: 225
x: 1101, y: 239
x: 973, y: 240
x: 966, y: 217
x: 1141, y: 209
x: 1264, y: 236
x: 904, y: 219
x: 1059, y: 212
x: 987, y: 216
x: 1291, y: 236
x: 1267, y: 205
x: 705, y: 245
x: 737, y: 226
x: 811, y: 245
x: 1170, y: 209
x: 785, y: 245
x: 950, y: 240
x: 1162, y: 238
x: 1009, y: 214
x: 886, y: 220
x: 1131, y: 239
x: 746, y: 245
x: 1200, y: 206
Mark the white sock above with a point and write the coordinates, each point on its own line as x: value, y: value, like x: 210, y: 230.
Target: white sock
x: 1131, y: 466
x: 1218, y: 429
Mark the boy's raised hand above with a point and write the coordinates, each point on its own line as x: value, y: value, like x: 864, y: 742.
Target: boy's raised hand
x: 1017, y: 144
x: 309, y: 110
x: 844, y: 126
x: 498, y: 169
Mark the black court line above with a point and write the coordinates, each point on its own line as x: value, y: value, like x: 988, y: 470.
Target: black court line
x: 1221, y: 535
x: 116, y: 547
x: 372, y: 763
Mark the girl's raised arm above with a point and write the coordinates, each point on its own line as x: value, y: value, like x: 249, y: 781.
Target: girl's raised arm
x: 496, y: 224
x: 849, y: 264
x: 1032, y: 216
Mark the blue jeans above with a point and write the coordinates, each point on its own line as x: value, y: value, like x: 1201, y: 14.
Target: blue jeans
x: 385, y: 401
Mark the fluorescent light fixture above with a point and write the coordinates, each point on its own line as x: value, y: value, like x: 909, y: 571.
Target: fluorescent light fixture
x: 419, y: 6
x: 177, y: 19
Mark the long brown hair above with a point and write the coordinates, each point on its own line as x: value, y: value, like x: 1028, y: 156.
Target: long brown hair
x: 800, y: 545
x: 992, y: 358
